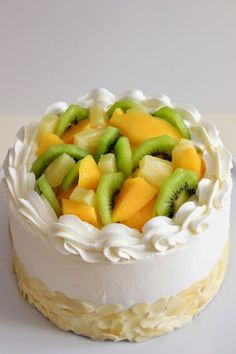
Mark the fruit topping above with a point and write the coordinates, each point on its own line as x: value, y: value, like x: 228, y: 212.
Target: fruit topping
x: 154, y: 170
x: 88, y: 140
x: 107, y: 141
x: 107, y: 163
x: 69, y: 136
x: 161, y: 146
x: 137, y: 220
x: 125, y: 105
x: 124, y: 165
x: 97, y: 116
x: 74, y: 113
x: 46, y: 140
x: 58, y: 169
x: 174, y: 118
x: 139, y: 126
x: 83, y: 211
x: 89, y: 173
x: 48, y: 193
x: 84, y: 196
x: 47, y: 124
x: 133, y: 196
x: 41, y: 163
x: 175, y: 191
x: 185, y: 156
x: 71, y: 177
x: 109, y: 185
x: 123, y: 155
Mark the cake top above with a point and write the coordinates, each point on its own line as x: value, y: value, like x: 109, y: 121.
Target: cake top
x: 118, y: 179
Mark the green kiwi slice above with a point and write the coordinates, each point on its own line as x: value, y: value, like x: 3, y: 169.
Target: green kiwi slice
x: 52, y: 152
x: 161, y: 146
x: 106, y: 142
x: 72, y: 114
x: 175, y: 191
x: 109, y: 185
x: 123, y: 104
x: 123, y: 155
x: 174, y: 118
x: 71, y: 177
x: 48, y: 193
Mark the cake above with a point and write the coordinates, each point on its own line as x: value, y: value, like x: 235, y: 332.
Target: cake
x: 119, y: 214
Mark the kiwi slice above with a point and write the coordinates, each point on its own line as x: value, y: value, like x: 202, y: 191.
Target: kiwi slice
x: 106, y: 142
x: 72, y: 114
x: 48, y: 193
x: 71, y: 177
x: 123, y: 104
x: 109, y: 185
x: 41, y: 163
x: 175, y: 191
x: 174, y: 118
x: 161, y: 146
x: 124, y: 156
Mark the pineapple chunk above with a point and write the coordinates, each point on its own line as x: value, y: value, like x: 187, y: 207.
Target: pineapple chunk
x: 84, y: 196
x: 97, y: 116
x: 57, y: 169
x: 107, y: 163
x: 48, y: 124
x: 88, y: 140
x: 154, y: 170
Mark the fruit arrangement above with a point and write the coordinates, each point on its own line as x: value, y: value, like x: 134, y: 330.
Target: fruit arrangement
x: 125, y: 165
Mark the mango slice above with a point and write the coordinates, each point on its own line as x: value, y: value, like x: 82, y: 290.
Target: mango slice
x: 133, y: 196
x: 185, y: 156
x: 89, y: 173
x: 46, y: 140
x: 139, y: 126
x: 83, y: 211
x: 68, y: 136
x: 142, y: 216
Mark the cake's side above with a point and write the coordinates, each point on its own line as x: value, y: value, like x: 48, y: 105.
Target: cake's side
x: 139, y: 322
x: 117, y: 282
x: 108, y: 283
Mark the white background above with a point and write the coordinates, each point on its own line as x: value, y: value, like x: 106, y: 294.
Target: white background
x: 57, y: 49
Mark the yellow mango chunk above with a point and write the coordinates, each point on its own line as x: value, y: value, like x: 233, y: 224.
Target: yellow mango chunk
x: 46, y: 140
x: 83, y: 211
x: 139, y: 126
x: 185, y: 156
x: 89, y: 173
x: 135, y: 193
x: 68, y: 136
x: 142, y: 216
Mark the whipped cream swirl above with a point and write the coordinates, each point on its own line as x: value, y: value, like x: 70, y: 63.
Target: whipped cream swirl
x: 118, y: 243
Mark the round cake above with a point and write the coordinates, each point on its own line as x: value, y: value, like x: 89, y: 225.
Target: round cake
x: 119, y: 214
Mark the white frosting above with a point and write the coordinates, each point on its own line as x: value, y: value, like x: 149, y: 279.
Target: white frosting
x: 128, y: 283
x: 56, y: 108
x: 117, y: 243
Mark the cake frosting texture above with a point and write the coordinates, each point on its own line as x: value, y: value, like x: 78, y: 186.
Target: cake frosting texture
x: 80, y: 261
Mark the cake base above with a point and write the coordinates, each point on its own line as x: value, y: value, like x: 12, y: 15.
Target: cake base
x: 112, y: 322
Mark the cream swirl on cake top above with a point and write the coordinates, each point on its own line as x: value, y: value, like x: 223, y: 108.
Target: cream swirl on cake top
x: 117, y: 242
